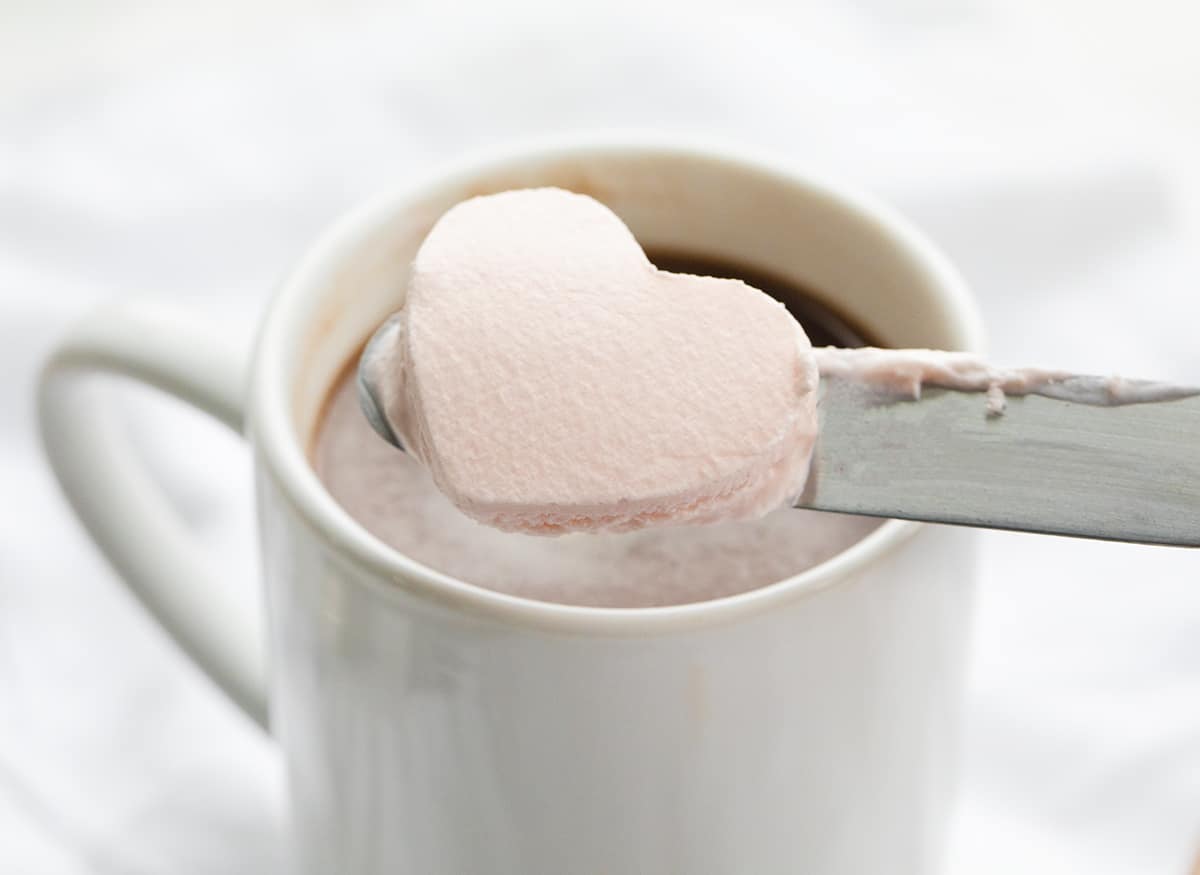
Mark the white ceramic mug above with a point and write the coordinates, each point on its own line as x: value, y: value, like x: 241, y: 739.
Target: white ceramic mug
x: 435, y: 728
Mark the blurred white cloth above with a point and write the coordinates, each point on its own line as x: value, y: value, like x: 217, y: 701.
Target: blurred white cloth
x: 196, y: 154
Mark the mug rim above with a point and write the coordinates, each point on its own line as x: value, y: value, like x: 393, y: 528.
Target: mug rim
x: 280, y: 449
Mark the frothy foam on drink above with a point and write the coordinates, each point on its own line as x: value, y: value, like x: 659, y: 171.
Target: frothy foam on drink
x: 394, y: 497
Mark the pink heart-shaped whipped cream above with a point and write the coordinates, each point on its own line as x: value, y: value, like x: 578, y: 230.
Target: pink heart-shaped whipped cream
x: 552, y: 379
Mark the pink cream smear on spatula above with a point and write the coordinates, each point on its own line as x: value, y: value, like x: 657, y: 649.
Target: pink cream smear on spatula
x: 553, y: 380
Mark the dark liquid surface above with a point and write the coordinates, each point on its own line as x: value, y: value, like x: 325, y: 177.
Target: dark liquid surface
x: 824, y: 325
x: 393, y: 497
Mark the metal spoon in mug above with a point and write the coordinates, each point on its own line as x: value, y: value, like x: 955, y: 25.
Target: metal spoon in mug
x: 1066, y: 464
x: 370, y: 365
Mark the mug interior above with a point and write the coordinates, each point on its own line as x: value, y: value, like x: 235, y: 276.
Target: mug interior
x: 852, y: 254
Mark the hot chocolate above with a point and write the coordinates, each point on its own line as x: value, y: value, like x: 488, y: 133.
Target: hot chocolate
x: 393, y: 496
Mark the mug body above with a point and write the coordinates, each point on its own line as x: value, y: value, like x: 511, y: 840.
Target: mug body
x: 433, y: 727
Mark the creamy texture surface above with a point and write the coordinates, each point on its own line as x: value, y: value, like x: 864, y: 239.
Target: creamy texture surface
x: 553, y: 380
x: 394, y: 497
x: 902, y: 373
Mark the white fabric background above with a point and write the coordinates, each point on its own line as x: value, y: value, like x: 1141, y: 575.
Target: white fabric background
x: 193, y: 150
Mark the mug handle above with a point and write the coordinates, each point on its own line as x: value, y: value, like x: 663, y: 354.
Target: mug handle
x: 115, y: 498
